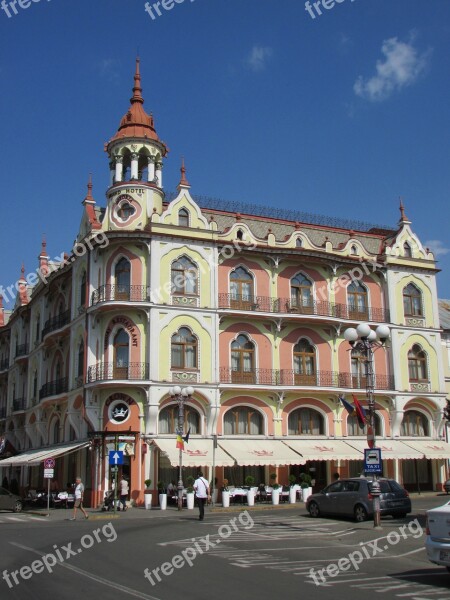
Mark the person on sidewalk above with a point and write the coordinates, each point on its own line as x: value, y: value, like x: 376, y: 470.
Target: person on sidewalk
x: 79, y: 494
x: 124, y: 489
x: 201, y: 487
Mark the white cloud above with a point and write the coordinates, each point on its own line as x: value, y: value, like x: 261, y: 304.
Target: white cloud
x: 437, y: 247
x: 401, y: 67
x: 109, y: 69
x: 258, y: 57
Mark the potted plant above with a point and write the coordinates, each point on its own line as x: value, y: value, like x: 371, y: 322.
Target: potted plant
x: 250, y: 482
x: 162, y: 495
x: 190, y: 492
x: 292, y: 489
x: 225, y: 494
x: 148, y: 494
x: 305, y: 484
x: 275, y: 489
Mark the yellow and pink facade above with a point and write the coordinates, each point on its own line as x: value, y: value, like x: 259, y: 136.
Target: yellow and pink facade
x: 248, y: 309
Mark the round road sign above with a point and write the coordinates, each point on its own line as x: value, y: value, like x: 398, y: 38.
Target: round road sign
x: 49, y: 463
x: 370, y: 437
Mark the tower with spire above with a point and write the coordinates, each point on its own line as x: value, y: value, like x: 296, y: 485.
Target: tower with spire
x: 136, y: 156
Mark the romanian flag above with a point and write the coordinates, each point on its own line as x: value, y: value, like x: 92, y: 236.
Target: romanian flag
x: 186, y: 437
x: 353, y: 411
x: 360, y: 412
x: 180, y: 442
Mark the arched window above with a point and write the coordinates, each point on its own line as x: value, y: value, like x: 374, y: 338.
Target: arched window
x: 243, y: 421
x: 407, y: 250
x: 301, y: 294
x: 122, y: 274
x: 55, y: 432
x: 80, y: 366
x: 304, y: 363
x: 168, y: 420
x: 357, y: 301
x: 242, y: 360
x: 412, y: 301
x: 417, y: 364
x: 354, y: 250
x: 121, y: 354
x: 353, y: 427
x: 83, y: 289
x: 299, y: 243
x: 241, y: 289
x: 58, y: 370
x: 306, y: 421
x: 184, y: 277
x: 240, y: 234
x: 414, y: 424
x: 183, y: 218
x: 359, y: 371
x: 184, y: 350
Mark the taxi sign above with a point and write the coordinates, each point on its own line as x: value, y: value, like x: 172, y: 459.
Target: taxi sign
x: 372, y: 460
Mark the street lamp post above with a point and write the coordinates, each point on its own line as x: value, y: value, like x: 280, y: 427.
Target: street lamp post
x: 366, y: 340
x: 180, y: 395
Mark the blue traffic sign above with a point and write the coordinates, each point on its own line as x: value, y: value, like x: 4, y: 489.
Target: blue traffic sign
x: 115, y: 457
x: 372, y: 461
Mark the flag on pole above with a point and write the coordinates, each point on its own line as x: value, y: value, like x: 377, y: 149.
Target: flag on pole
x: 348, y: 406
x: 360, y: 412
x: 186, y: 437
x: 180, y: 442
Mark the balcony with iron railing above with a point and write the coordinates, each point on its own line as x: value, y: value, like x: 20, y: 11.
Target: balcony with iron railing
x: 54, y: 388
x: 21, y: 350
x: 56, y: 323
x: 109, y: 371
x: 120, y: 293
x: 289, y: 378
x: 19, y: 404
x: 289, y: 307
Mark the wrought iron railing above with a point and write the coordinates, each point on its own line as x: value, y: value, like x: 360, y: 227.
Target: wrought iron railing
x: 288, y: 306
x: 52, y: 388
x: 108, y: 371
x: 120, y: 293
x: 56, y: 322
x: 288, y: 377
x: 21, y: 350
x: 19, y: 404
x: 4, y: 364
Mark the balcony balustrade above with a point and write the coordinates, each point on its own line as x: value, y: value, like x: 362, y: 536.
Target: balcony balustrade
x: 109, y: 371
x: 120, y: 293
x: 19, y: 404
x: 56, y: 323
x: 288, y: 377
x: 4, y: 364
x: 53, y: 388
x: 21, y: 350
x: 289, y: 306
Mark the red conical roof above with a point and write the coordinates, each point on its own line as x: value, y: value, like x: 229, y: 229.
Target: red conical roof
x: 137, y: 123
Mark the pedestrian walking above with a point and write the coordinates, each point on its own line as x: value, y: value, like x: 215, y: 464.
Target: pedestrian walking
x: 201, y: 487
x: 79, y: 495
x: 124, y: 488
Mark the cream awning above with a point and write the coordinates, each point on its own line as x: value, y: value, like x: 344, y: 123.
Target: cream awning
x: 261, y: 452
x: 196, y: 453
x: 390, y: 449
x: 325, y: 450
x: 35, y: 457
x: 430, y: 449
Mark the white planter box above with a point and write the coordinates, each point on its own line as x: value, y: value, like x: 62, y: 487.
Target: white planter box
x: 163, y: 501
x: 292, y: 495
x: 276, y: 496
x: 190, y: 500
x: 225, y: 499
x: 147, y: 501
x: 251, y: 498
x: 306, y: 493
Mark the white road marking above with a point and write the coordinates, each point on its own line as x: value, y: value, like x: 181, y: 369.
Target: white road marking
x: 98, y: 579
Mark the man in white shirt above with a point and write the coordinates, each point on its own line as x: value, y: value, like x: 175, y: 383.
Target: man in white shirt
x: 79, y: 494
x: 201, y: 487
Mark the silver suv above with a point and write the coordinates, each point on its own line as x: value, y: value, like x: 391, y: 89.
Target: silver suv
x: 353, y: 498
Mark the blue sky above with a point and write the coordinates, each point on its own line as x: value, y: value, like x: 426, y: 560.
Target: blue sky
x: 337, y: 115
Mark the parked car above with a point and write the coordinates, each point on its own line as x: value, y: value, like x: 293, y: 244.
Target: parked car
x: 10, y: 501
x: 437, y: 541
x: 447, y: 486
x: 352, y: 498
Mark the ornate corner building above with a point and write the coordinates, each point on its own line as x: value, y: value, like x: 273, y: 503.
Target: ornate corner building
x: 245, y: 304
